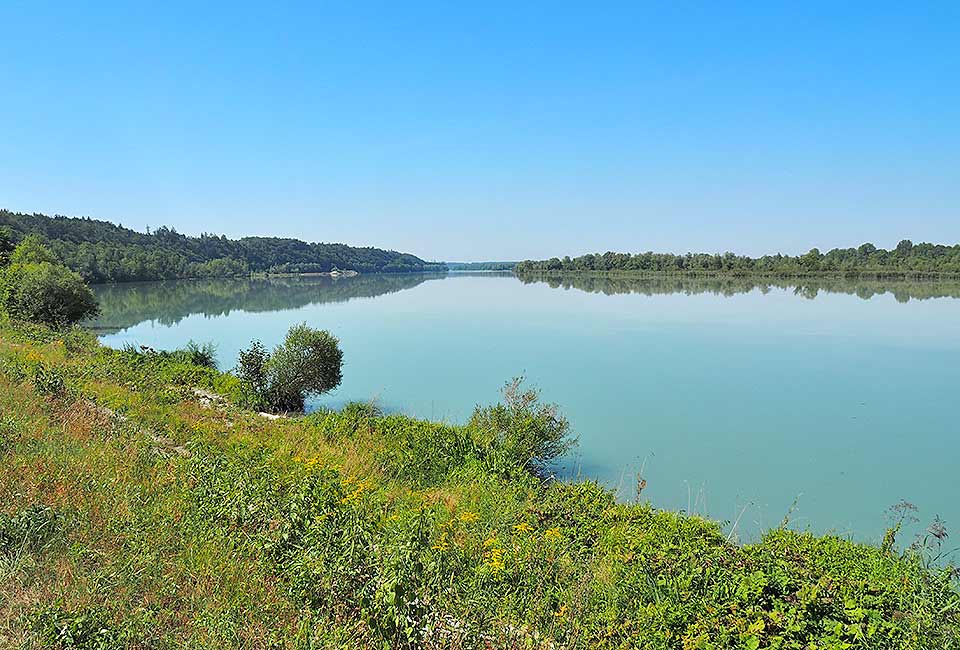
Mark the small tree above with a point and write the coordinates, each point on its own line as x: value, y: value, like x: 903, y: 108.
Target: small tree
x: 308, y: 362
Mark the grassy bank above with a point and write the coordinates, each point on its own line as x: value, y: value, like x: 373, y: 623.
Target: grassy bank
x: 140, y: 508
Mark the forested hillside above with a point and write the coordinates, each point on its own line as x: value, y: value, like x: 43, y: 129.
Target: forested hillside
x: 101, y: 251
x: 907, y: 259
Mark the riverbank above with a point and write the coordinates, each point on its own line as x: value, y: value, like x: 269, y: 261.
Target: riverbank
x: 139, y: 512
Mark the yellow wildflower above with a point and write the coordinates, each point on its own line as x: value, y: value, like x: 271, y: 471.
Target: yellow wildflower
x: 553, y: 533
x: 468, y: 517
x: 523, y: 527
x: 560, y: 613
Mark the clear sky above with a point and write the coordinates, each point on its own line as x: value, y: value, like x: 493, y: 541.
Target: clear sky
x: 490, y: 130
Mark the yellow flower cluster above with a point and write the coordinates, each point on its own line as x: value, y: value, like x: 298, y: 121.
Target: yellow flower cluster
x: 523, y: 527
x: 468, y: 517
x: 358, y: 487
x: 553, y: 533
x: 493, y: 554
x: 313, y: 462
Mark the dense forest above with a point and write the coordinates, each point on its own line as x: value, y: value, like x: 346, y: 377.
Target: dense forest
x: 906, y: 260
x: 101, y: 251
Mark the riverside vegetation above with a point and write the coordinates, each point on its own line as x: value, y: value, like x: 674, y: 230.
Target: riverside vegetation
x: 141, y: 506
x: 907, y: 260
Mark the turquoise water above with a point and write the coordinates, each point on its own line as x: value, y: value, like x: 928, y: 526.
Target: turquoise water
x: 737, y: 400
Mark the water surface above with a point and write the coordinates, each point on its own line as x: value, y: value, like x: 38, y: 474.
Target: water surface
x: 734, y: 398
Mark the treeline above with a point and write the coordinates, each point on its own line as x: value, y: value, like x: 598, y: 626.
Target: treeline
x: 101, y: 251
x: 906, y: 260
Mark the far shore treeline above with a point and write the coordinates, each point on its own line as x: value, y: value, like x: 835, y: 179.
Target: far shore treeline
x: 104, y: 252
x: 906, y: 260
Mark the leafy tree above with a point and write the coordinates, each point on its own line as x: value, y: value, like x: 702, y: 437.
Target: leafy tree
x: 6, y: 246
x: 308, y: 362
x: 34, y: 288
x: 46, y: 293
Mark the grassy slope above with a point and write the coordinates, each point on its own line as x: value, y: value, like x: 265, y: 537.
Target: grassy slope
x: 181, y: 522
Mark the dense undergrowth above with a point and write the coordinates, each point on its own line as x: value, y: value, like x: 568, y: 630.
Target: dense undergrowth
x: 137, y: 511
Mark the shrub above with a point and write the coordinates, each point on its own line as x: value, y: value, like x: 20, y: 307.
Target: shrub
x: 308, y: 362
x: 252, y: 371
x: 198, y: 354
x: 47, y: 293
x: 521, y: 432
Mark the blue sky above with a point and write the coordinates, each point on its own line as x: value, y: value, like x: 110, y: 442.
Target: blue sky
x: 464, y: 131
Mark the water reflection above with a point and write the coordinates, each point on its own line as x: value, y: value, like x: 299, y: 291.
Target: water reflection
x: 902, y: 290
x: 167, y: 303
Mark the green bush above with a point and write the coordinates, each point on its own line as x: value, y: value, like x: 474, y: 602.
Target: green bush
x: 522, y: 432
x: 47, y: 293
x: 308, y: 362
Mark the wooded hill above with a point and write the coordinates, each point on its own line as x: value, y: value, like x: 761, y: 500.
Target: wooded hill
x: 101, y: 251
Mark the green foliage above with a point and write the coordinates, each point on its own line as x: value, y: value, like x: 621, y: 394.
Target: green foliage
x: 104, y: 252
x: 522, y: 431
x: 6, y: 246
x: 197, y: 354
x: 49, y: 381
x: 10, y: 432
x: 308, y: 362
x: 31, y: 529
x: 34, y: 288
x: 32, y: 250
x: 86, y: 629
x: 906, y: 260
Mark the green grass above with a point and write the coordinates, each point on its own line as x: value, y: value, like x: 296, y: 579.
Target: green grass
x: 134, y: 513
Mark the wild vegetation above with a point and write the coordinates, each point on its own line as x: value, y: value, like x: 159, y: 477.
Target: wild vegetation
x: 104, y: 252
x: 141, y: 508
x: 906, y: 260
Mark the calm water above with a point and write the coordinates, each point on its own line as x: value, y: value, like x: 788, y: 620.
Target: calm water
x: 731, y: 397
